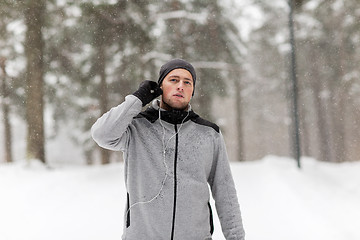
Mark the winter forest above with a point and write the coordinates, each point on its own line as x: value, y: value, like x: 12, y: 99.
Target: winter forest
x: 280, y: 78
x: 64, y: 63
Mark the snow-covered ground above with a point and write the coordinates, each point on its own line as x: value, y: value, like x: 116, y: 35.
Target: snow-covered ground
x: 278, y: 201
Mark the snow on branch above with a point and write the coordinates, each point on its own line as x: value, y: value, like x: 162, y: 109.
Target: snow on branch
x: 216, y: 65
x: 237, y: 43
x: 197, y: 17
x: 156, y: 55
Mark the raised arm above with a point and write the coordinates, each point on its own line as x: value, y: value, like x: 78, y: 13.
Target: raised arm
x: 109, y: 131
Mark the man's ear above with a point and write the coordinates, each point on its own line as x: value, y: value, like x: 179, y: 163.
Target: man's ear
x: 161, y: 89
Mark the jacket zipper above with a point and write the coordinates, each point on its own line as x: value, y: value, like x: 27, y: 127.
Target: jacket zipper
x: 128, y: 211
x: 175, y: 182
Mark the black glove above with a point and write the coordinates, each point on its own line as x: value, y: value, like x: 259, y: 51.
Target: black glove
x: 148, y: 90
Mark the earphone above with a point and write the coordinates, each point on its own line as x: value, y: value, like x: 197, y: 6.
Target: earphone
x: 164, y: 160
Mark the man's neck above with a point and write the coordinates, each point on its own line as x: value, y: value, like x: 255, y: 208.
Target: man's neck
x: 167, y: 107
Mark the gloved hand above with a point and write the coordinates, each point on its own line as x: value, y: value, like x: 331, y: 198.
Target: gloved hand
x: 148, y: 90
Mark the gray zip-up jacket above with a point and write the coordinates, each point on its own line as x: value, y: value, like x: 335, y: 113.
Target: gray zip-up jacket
x: 170, y: 162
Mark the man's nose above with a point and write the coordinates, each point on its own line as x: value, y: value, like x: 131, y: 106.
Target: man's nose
x: 180, y: 86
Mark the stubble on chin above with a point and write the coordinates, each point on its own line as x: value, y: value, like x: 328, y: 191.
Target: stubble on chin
x: 168, y: 105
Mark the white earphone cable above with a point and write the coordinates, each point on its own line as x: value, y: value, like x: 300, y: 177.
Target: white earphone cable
x: 164, y: 161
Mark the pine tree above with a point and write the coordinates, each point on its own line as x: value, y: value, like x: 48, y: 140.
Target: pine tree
x: 34, y: 12
x: 332, y: 49
x: 200, y: 32
x: 326, y: 33
x: 109, y: 46
x: 5, y: 111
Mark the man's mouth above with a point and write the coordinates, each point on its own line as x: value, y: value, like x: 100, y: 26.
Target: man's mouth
x: 178, y: 95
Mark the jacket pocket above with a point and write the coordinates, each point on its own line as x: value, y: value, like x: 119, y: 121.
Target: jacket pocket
x: 128, y: 211
x: 211, y: 219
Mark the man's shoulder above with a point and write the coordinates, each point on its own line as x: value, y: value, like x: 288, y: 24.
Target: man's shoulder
x: 201, y: 121
x: 150, y: 114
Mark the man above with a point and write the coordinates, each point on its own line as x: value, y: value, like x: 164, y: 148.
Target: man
x: 171, y: 157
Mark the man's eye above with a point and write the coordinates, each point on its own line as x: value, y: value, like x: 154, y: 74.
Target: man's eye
x: 187, y: 83
x: 172, y: 80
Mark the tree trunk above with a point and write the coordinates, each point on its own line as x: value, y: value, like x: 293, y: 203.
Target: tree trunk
x: 239, y: 122
x: 5, y: 110
x: 34, y: 45
x: 354, y: 133
x: 203, y: 101
x: 341, y: 94
x: 304, y: 131
x: 321, y: 119
x: 337, y: 116
x: 105, y: 154
x: 296, y: 148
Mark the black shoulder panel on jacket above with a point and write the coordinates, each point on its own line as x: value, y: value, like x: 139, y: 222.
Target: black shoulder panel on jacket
x: 150, y: 114
x: 207, y: 123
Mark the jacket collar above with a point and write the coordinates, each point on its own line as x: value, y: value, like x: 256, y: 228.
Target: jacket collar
x: 173, y: 116
x: 156, y: 105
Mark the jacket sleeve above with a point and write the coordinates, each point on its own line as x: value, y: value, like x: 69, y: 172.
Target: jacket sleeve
x: 110, y: 130
x: 224, y: 193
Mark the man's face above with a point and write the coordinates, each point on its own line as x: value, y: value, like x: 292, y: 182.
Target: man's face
x: 177, y: 89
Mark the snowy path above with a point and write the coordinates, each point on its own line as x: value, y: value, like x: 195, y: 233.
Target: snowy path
x: 278, y: 202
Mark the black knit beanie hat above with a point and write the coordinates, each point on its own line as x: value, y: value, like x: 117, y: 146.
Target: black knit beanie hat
x: 174, y: 64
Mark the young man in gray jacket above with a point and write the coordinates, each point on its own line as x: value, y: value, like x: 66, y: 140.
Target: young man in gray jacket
x: 171, y: 157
